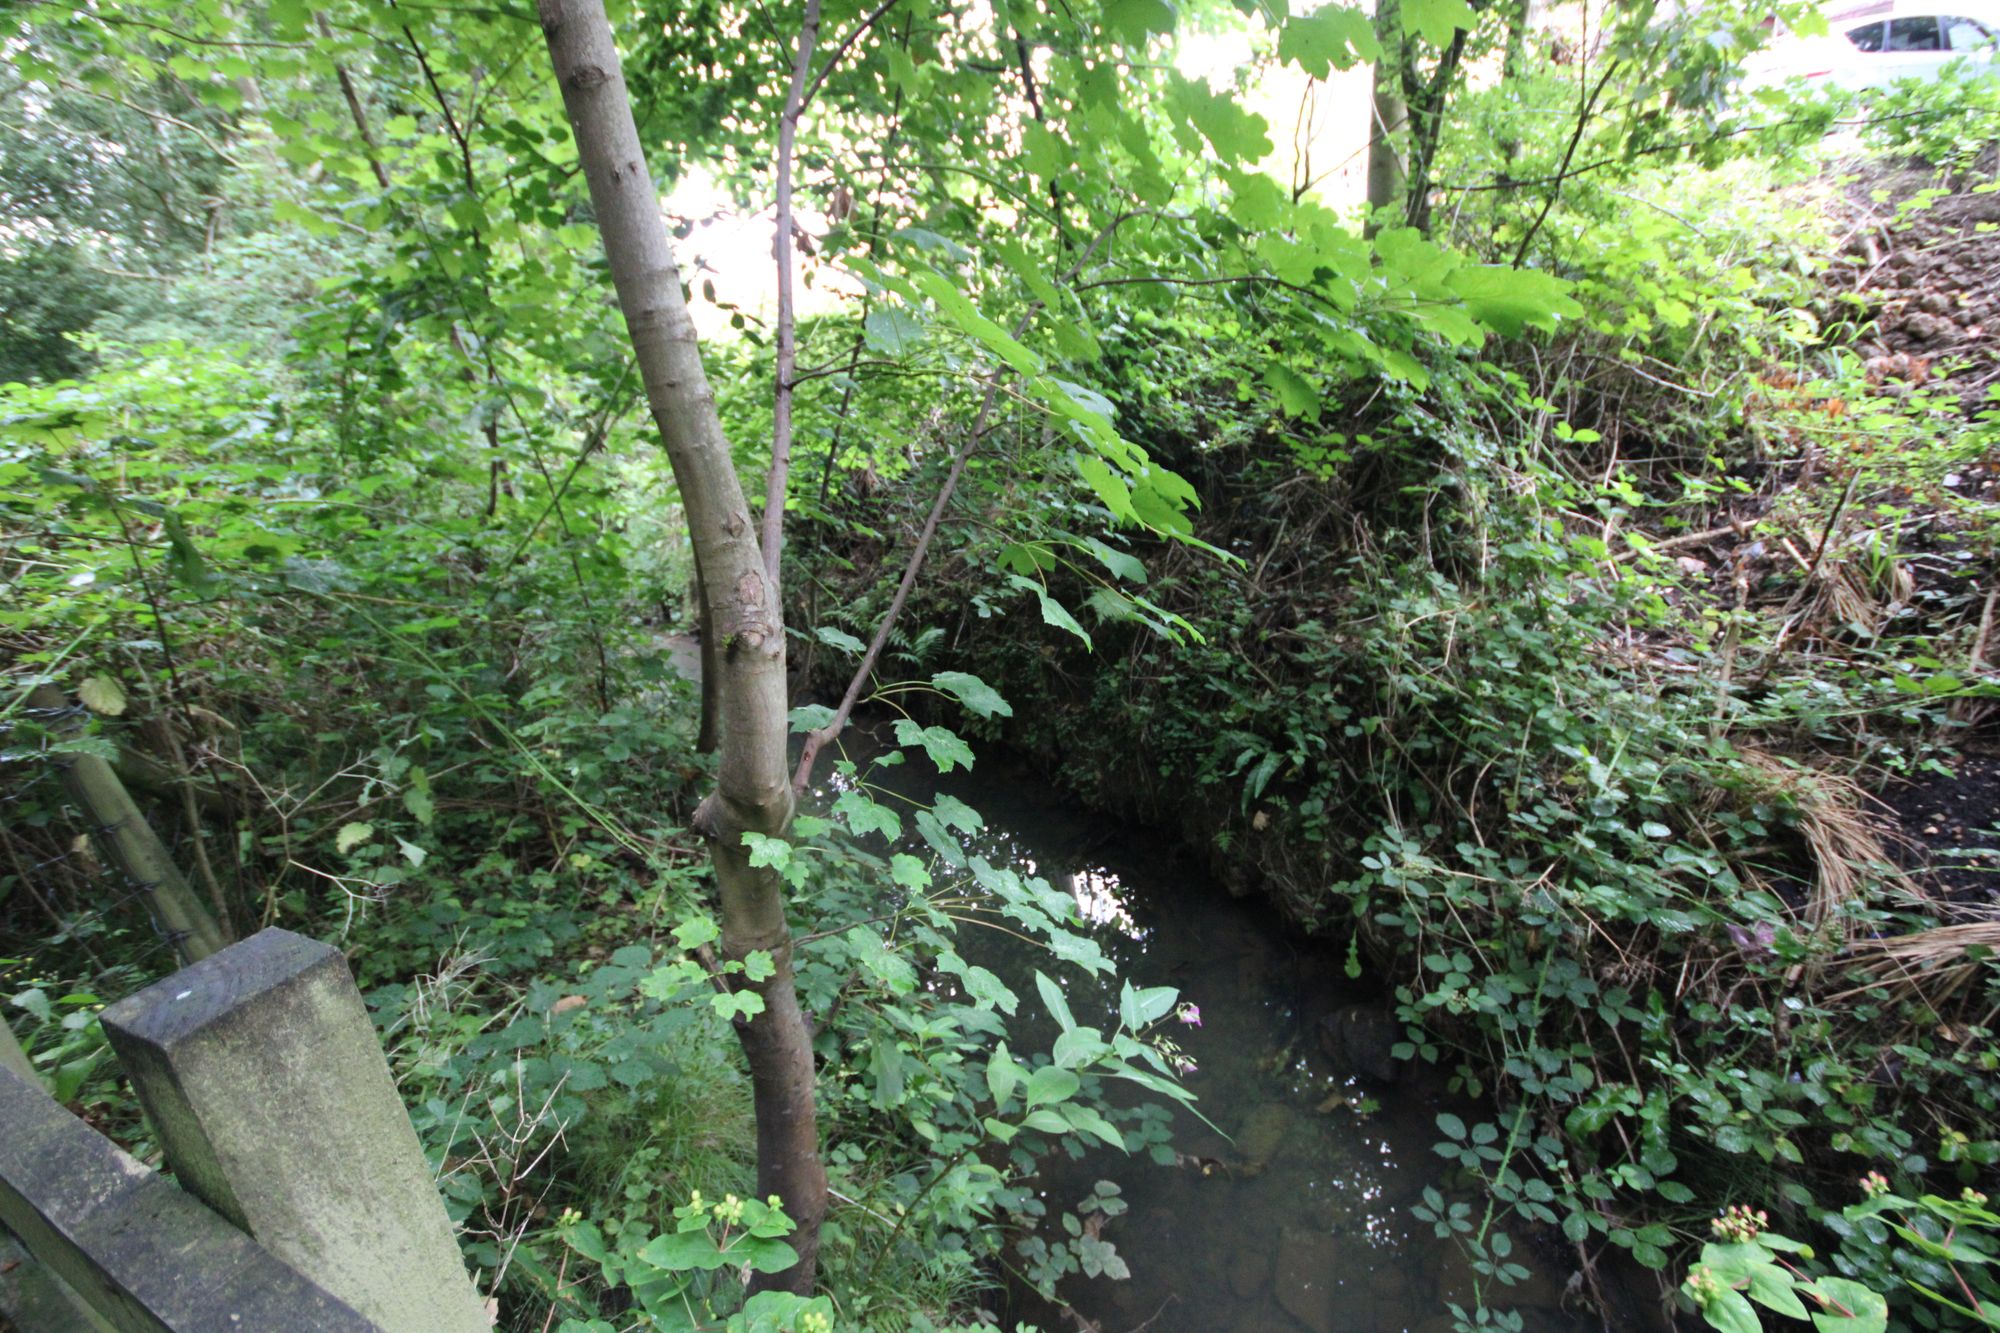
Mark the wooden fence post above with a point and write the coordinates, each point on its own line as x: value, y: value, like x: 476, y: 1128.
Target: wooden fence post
x: 263, y: 1077
x: 130, y: 843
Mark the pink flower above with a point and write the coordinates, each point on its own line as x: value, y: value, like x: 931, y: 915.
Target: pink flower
x: 1185, y: 1065
x: 1190, y: 1015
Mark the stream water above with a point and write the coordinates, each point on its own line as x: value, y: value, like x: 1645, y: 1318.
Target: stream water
x: 1297, y: 1216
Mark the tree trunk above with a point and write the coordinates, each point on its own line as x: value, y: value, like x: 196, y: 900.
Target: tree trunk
x: 752, y: 795
x: 1387, y: 116
x: 711, y: 670
x: 1425, y: 105
x: 1512, y: 62
x: 130, y: 844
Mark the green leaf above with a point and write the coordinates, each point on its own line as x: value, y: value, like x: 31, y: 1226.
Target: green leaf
x: 1771, y: 1288
x: 892, y: 331
x: 1054, y: 613
x: 696, y: 931
x: 988, y: 990
x: 1049, y: 1085
x: 1003, y: 1074
x: 841, y: 639
x: 763, y: 1253
x: 1436, y: 20
x: 352, y: 835
x: 1508, y: 300
x: 1091, y: 1121
x: 1109, y: 487
x: 1332, y: 37
x: 1133, y: 21
x: 417, y: 797
x: 1867, y: 1312
x: 737, y: 1004
x: 1052, y: 999
x: 1078, y: 1047
x: 681, y: 1250
x: 101, y: 694
x: 865, y: 816
x: 909, y: 871
x: 974, y: 693
x: 1730, y: 1313
x: 960, y: 310
x: 943, y: 746
x: 1138, y: 1008
x: 1295, y: 396
x: 758, y: 965
x: 810, y: 717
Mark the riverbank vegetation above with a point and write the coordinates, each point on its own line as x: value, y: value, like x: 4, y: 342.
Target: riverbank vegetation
x: 1534, y: 578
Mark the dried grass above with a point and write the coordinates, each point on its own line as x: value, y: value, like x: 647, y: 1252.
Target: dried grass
x: 1938, y: 960
x: 1849, y: 849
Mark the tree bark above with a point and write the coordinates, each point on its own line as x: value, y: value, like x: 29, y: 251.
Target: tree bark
x: 1387, y: 115
x: 711, y: 670
x: 752, y: 793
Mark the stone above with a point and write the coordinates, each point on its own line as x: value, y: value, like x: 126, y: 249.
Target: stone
x: 1249, y: 1272
x: 1924, y: 328
x: 1263, y: 1134
x: 1360, y: 1039
x: 13, y: 1057
x: 263, y: 1078
x: 1319, y: 1281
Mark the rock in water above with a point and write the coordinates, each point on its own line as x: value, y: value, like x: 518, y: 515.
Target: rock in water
x: 1361, y: 1038
x: 1318, y: 1282
x: 1262, y: 1135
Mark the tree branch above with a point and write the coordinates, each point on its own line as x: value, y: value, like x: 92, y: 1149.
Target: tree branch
x: 816, y: 741
x: 788, y: 349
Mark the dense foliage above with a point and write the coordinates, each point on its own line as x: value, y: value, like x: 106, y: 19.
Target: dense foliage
x: 1525, y: 598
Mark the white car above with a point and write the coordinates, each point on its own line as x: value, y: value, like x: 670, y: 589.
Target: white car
x: 1879, y: 44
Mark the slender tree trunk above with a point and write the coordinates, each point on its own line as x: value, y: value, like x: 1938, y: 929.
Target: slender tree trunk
x: 711, y: 669
x: 753, y: 794
x: 1512, y: 62
x: 1388, y: 115
x: 130, y: 844
x: 1426, y: 104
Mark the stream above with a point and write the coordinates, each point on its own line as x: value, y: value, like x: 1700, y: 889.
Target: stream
x: 1298, y: 1219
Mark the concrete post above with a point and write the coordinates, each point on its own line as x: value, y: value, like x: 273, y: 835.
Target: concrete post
x: 263, y: 1077
x: 129, y: 1244
x: 13, y: 1057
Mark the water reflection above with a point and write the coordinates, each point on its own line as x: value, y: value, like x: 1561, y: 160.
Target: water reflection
x: 1294, y: 1217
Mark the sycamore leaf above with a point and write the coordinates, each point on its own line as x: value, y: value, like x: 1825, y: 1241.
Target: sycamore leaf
x: 1133, y: 21
x: 1436, y: 20
x: 101, y: 694
x: 841, y: 639
x: 1295, y: 395
x: 977, y: 696
x: 1507, y: 300
x: 1331, y: 37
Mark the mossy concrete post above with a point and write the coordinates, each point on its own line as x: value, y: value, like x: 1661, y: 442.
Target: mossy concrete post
x: 13, y: 1057
x: 265, y: 1081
